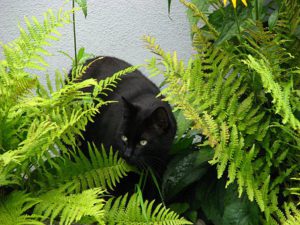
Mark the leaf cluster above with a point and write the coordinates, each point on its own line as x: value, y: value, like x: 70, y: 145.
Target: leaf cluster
x: 44, y: 176
x: 240, y: 94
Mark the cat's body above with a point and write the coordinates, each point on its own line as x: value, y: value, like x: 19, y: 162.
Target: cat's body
x: 140, y: 125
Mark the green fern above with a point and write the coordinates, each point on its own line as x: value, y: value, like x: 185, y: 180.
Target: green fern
x: 27, y: 52
x: 99, y: 170
x: 136, y: 211
x: 13, y: 209
x: 293, y: 215
x: 71, y: 207
x: 235, y: 108
x: 39, y: 126
x: 280, y: 99
x: 40, y: 129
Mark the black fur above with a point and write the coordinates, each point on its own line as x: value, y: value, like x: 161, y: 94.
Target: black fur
x: 139, y: 115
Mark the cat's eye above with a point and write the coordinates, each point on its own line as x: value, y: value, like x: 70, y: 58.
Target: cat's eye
x: 143, y: 142
x: 124, y: 138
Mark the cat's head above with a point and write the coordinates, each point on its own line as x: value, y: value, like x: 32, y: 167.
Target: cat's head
x: 146, y: 132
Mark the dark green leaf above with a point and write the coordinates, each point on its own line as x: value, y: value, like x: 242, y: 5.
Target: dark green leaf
x: 229, y: 27
x: 183, y: 171
x: 179, y: 208
x: 169, y: 6
x: 83, y: 5
x: 182, y: 124
x: 192, y: 216
x: 258, y: 9
x: 297, y: 32
x: 223, y: 206
x: 182, y: 146
x: 273, y: 19
x: 241, y: 212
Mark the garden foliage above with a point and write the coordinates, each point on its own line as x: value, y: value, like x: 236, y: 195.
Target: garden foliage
x: 44, y: 177
x: 240, y: 92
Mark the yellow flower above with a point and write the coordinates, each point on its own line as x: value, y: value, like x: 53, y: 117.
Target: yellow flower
x: 234, y: 2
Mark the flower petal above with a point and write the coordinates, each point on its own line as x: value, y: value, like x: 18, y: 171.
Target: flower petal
x: 245, y: 2
x: 234, y: 3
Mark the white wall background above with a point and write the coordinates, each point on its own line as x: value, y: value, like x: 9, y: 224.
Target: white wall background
x: 112, y: 28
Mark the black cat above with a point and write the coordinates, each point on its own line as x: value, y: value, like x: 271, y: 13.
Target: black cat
x: 140, y: 125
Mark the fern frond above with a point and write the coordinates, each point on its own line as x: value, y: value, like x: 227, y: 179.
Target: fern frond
x: 99, y: 170
x: 280, y: 100
x: 201, y: 15
x: 13, y: 209
x: 292, y: 214
x: 152, y: 46
x: 124, y: 210
x: 295, y: 190
x: 29, y: 46
x: 27, y: 52
x: 235, y: 108
x: 110, y: 82
x: 38, y: 136
x: 69, y: 208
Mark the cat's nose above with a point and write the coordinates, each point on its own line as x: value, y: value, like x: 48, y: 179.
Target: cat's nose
x: 128, y: 152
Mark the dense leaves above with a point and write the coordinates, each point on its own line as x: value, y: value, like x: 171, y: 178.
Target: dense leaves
x: 240, y: 94
x: 184, y: 170
x: 136, y: 211
x: 44, y: 176
x: 223, y: 206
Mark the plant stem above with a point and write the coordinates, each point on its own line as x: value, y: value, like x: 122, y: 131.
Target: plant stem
x: 237, y: 22
x: 256, y: 9
x: 74, y: 33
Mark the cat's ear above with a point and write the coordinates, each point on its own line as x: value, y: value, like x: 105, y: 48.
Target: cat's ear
x: 160, y: 119
x: 129, y: 105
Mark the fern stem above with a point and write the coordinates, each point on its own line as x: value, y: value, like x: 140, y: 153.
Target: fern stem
x: 74, y: 34
x: 256, y: 9
x: 237, y: 23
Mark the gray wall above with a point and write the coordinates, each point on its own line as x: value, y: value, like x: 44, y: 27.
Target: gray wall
x: 112, y: 28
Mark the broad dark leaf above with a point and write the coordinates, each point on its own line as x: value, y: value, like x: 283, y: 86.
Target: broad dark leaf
x: 182, y: 124
x: 223, y: 206
x: 185, y: 170
x: 179, y: 207
x: 273, y: 19
x: 182, y: 146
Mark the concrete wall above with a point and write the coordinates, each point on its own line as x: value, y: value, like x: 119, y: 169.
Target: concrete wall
x: 111, y: 28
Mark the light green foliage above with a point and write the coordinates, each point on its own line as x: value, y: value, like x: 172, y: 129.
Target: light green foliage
x: 23, y: 134
x: 71, y: 207
x: 99, y: 170
x: 134, y: 210
x: 293, y: 215
x: 280, y: 94
x: 83, y: 5
x: 13, y: 207
x: 241, y: 95
x: 295, y: 190
x: 44, y: 176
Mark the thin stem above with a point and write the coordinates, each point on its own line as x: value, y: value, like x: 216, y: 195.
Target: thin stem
x: 237, y: 22
x: 256, y: 9
x: 74, y: 33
